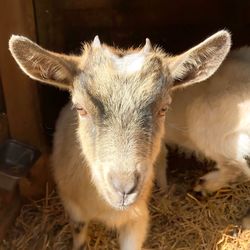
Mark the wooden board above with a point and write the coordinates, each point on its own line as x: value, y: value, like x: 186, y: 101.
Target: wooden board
x: 20, y: 92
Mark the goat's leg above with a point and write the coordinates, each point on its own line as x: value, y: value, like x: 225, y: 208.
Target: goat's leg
x: 161, y: 168
x: 226, y: 174
x: 231, y: 168
x: 79, y: 225
x: 133, y: 233
x: 79, y: 231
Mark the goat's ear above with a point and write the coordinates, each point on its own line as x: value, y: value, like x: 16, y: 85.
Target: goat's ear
x: 42, y: 65
x: 200, y: 62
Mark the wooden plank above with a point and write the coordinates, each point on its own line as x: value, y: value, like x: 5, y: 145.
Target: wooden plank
x: 20, y: 92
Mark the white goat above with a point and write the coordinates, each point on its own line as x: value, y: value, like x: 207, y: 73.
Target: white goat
x: 213, y: 119
x: 106, y: 145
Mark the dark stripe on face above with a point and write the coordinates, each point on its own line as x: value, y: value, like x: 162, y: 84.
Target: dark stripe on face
x: 247, y: 160
x: 98, y: 104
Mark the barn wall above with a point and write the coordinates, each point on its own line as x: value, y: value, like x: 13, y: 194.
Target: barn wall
x: 176, y: 25
x: 20, y: 93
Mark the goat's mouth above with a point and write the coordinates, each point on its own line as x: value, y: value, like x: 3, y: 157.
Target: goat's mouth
x: 128, y: 200
x: 121, y: 201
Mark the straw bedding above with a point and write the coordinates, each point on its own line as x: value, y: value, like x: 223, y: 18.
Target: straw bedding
x: 180, y: 219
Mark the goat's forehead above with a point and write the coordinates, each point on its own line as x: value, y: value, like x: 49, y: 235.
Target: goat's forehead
x: 130, y: 92
x: 114, y: 74
x: 121, y: 61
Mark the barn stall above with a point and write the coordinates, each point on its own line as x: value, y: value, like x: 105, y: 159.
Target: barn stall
x: 31, y: 214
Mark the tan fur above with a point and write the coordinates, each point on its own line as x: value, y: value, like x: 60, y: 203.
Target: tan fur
x: 104, y: 154
x: 213, y: 118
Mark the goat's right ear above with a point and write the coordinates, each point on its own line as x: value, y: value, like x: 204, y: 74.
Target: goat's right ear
x: 42, y: 65
x: 200, y: 62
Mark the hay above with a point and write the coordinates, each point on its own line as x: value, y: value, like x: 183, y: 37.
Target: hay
x: 179, y: 221
x: 182, y: 223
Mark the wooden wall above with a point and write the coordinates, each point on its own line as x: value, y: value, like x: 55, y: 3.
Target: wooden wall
x: 21, y: 94
x: 176, y: 25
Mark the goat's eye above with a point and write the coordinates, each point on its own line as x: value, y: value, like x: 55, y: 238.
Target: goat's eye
x: 81, y: 111
x: 162, y: 111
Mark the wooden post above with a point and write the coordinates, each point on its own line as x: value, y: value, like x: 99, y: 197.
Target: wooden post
x: 20, y: 92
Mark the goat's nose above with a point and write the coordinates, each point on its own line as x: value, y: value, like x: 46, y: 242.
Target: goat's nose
x: 124, y: 186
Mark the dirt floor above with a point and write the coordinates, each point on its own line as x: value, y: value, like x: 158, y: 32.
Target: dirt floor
x: 180, y: 219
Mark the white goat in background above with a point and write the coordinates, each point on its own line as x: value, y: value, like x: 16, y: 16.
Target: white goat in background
x: 213, y: 119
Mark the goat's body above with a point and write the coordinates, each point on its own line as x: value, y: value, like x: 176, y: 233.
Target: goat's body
x: 213, y: 118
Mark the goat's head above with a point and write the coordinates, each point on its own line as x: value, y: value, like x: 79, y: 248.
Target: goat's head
x: 121, y: 97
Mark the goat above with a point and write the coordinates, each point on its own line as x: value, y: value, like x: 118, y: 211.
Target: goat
x: 212, y: 119
x: 108, y: 137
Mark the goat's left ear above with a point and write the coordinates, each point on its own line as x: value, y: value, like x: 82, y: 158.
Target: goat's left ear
x: 200, y: 62
x: 43, y: 65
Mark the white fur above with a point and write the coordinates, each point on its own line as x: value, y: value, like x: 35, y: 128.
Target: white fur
x: 130, y: 63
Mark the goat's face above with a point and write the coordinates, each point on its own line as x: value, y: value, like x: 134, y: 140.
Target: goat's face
x: 121, y: 102
x: 121, y: 98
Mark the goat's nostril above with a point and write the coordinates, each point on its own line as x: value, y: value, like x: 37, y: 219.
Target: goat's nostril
x: 125, y: 186
x: 130, y: 189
